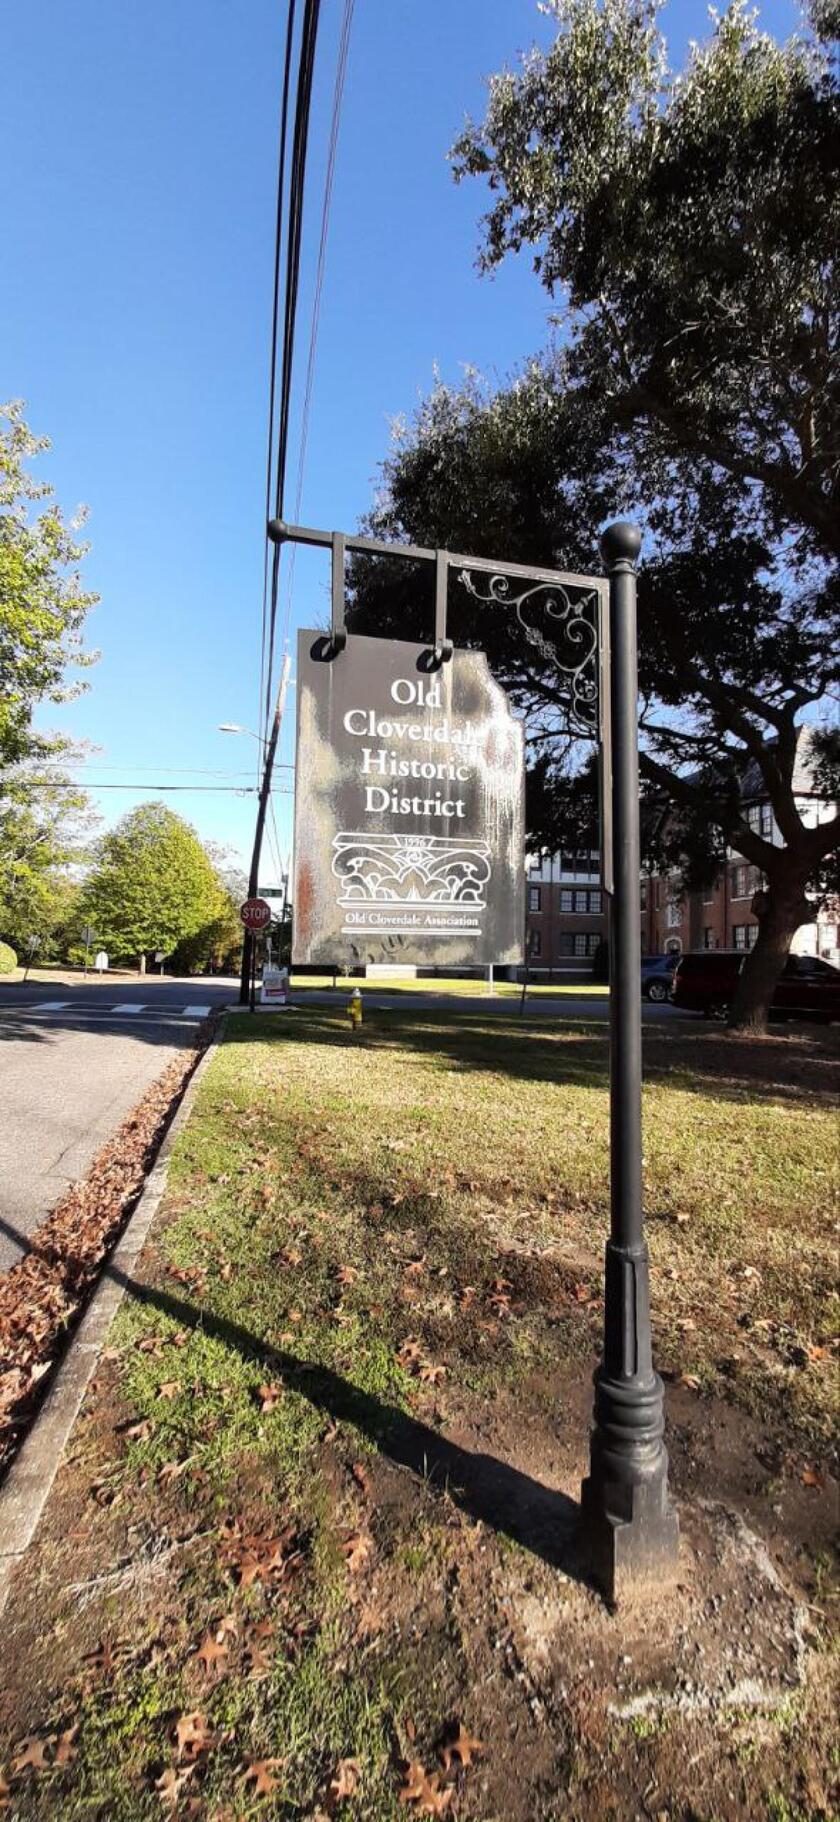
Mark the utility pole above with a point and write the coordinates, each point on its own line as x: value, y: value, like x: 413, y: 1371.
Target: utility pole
x: 262, y: 807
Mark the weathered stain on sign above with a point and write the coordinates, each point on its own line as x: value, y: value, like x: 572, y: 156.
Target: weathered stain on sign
x: 409, y: 809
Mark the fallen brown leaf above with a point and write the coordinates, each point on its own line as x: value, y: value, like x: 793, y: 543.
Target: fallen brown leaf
x: 361, y: 1476
x: 31, y: 1754
x: 192, y: 1734
x: 463, y: 1748
x: 426, y: 1792
x: 269, y: 1396
x: 66, y: 1749
x: 345, y: 1779
x: 810, y: 1477
x: 357, y: 1549
x: 259, y: 1773
x: 211, y: 1652
x: 170, y: 1783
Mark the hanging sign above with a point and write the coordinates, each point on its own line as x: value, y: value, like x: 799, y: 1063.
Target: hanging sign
x: 409, y: 809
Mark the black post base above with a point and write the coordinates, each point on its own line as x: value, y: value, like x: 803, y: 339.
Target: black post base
x: 629, y: 1526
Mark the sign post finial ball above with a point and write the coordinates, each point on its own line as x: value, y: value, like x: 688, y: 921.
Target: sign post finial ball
x: 620, y: 543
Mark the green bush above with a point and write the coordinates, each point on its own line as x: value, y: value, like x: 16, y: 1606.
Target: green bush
x: 8, y: 959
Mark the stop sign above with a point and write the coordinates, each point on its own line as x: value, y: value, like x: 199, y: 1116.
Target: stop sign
x: 255, y: 914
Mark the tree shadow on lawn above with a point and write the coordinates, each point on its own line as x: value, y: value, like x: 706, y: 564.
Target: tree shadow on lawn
x: 795, y: 1068
x: 539, y: 1518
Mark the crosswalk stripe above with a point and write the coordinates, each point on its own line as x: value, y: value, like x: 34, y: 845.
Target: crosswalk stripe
x: 196, y: 1012
x: 129, y: 1006
x: 53, y: 1005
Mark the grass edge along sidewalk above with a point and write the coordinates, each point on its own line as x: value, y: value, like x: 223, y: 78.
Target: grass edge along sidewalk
x: 25, y: 1487
x: 383, y: 1254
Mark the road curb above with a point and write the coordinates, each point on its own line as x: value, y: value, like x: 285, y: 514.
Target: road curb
x: 27, y: 1486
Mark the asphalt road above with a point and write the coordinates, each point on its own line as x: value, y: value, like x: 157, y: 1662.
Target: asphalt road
x: 74, y: 1060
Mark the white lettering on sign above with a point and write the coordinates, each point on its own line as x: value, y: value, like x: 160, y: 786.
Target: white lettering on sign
x: 377, y: 800
x: 405, y: 689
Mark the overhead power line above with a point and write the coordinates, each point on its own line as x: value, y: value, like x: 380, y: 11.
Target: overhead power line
x: 297, y: 180
x: 338, y: 96
x: 68, y: 784
x: 275, y: 319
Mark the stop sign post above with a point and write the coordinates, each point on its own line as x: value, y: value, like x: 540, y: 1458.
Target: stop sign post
x: 255, y: 914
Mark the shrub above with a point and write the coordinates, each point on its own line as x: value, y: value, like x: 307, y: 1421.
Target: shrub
x: 8, y: 959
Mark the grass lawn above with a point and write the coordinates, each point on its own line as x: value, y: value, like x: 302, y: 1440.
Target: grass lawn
x: 312, y: 1552
x: 469, y: 989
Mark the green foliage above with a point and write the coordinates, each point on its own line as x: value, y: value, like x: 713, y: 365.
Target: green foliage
x: 8, y: 959
x: 687, y: 226
x: 42, y: 603
x: 43, y: 833
x: 153, y: 887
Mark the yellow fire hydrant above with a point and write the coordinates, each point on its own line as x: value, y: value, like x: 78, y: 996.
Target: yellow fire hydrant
x: 354, y: 1009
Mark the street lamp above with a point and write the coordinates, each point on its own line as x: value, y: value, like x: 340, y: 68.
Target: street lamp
x: 233, y: 727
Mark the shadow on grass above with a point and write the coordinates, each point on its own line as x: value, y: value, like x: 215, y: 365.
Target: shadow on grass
x: 698, y: 1060
x: 507, y: 1501
x: 539, y: 1518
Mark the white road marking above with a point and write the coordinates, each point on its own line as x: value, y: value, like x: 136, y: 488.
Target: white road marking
x: 127, y: 1007
x: 53, y: 1005
x: 196, y: 1012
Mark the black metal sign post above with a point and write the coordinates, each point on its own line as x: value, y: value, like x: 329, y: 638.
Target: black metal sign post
x: 630, y: 1524
x: 630, y: 1528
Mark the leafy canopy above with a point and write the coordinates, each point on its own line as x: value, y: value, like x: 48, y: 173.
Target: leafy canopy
x: 42, y: 603
x: 152, y: 885
x: 688, y: 225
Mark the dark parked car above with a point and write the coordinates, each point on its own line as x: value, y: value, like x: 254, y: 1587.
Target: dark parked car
x: 706, y: 982
x: 657, y: 974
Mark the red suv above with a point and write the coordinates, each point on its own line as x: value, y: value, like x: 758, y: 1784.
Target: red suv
x: 705, y: 981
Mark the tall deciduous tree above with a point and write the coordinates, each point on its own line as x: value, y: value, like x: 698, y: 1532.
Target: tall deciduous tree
x: 45, y: 828
x: 687, y: 229
x: 152, y: 886
x: 42, y: 603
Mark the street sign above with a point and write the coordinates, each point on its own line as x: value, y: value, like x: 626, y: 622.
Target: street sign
x: 88, y: 935
x: 409, y: 808
x: 255, y: 914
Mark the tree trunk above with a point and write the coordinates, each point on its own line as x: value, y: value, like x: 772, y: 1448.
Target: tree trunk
x: 786, y: 908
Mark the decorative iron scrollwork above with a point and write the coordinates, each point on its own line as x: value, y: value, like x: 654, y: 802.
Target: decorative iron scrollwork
x: 564, y: 630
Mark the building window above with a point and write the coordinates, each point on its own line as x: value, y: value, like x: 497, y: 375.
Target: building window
x: 709, y: 893
x: 565, y: 900
x: 744, y: 935
x: 534, y: 942
x: 767, y: 820
x: 595, y: 903
x: 709, y: 938
x: 579, y: 942
x: 642, y: 895
x: 754, y: 817
x: 534, y: 898
x: 581, y: 901
x: 741, y: 885
x: 673, y: 914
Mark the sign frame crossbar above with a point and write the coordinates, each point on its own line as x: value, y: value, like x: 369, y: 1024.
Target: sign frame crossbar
x: 280, y: 531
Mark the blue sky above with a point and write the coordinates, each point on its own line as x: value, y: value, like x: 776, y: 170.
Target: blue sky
x: 137, y: 193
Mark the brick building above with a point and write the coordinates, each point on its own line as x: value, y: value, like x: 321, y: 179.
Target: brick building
x: 721, y: 916
x: 567, y: 912
x: 565, y: 915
